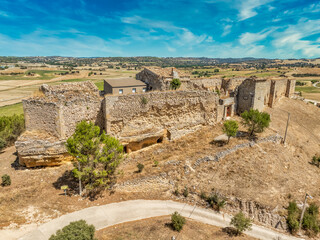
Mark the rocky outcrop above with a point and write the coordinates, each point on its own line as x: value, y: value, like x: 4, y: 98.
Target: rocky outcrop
x: 40, y: 149
x: 270, y: 217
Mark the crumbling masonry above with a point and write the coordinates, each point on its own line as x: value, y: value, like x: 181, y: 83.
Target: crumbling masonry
x: 137, y: 120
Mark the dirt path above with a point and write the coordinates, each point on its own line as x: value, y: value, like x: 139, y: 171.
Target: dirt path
x: 115, y: 213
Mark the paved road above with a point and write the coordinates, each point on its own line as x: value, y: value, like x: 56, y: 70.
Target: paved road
x: 115, y: 213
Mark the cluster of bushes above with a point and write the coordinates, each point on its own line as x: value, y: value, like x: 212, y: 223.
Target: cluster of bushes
x: 185, y: 192
x: 306, y: 75
x: 310, y: 221
x: 10, y: 129
x: 216, y: 201
x: 205, y: 73
x: 298, y: 83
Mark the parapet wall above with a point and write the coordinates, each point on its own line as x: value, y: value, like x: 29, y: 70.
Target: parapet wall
x: 139, y: 120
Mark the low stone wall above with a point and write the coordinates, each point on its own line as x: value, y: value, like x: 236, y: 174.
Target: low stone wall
x: 143, y: 119
x: 275, y: 139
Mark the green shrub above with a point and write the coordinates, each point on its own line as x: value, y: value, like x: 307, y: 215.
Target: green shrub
x: 6, y: 180
x: 230, y: 128
x: 216, y: 202
x: 185, y: 192
x: 156, y: 163
x: 140, y: 167
x: 316, y: 161
x: 310, y: 219
x: 241, y: 223
x: 175, y: 84
x: 10, y: 129
x: 177, y: 221
x: 78, y: 230
x: 144, y: 100
x: 176, y: 192
x: 293, y: 217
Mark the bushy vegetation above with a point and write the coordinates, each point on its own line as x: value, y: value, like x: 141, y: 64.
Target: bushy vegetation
x: 293, y: 217
x: 305, y: 75
x: 255, y: 121
x: 177, y: 221
x: 6, y: 180
x: 10, y: 129
x: 316, y: 160
x: 216, y: 201
x: 140, y: 167
x: 310, y: 222
x: 175, y: 84
x: 78, y: 230
x: 96, y: 156
x: 298, y: 83
x: 230, y: 128
x: 241, y: 223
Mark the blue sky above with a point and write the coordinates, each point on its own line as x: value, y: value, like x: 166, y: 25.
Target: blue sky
x: 164, y: 28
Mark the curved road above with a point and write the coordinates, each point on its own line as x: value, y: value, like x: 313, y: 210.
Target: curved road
x: 115, y: 213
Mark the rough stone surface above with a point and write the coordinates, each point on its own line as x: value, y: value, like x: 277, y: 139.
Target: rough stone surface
x: 275, y: 139
x: 40, y: 149
x: 170, y: 114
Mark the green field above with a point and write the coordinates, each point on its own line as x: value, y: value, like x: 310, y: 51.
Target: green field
x: 43, y: 75
x: 308, y: 89
x: 11, y: 109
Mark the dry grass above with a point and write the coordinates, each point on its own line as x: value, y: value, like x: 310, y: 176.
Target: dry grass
x: 159, y: 228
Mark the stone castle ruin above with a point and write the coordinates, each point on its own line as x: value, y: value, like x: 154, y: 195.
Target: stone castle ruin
x: 138, y: 120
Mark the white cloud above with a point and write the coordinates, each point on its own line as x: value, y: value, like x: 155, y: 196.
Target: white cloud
x: 294, y: 38
x: 226, y: 30
x: 249, y: 38
x: 43, y: 42
x: 248, y: 8
x: 148, y: 29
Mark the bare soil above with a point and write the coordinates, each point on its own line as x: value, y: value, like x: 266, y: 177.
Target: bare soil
x: 159, y: 228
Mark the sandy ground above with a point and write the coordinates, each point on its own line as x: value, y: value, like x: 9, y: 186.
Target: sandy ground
x: 159, y: 228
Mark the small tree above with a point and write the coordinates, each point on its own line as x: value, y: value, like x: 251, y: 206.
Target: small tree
x: 177, y: 221
x: 175, y: 84
x: 96, y: 156
x: 140, y: 167
x: 216, y: 70
x: 230, y: 128
x: 6, y: 180
x: 78, y: 230
x: 241, y: 223
x: 255, y: 121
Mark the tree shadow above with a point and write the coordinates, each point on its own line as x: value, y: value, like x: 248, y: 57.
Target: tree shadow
x: 68, y: 179
x: 232, y: 232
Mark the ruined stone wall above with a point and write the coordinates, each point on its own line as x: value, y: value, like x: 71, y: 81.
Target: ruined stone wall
x: 153, y: 81
x: 41, y: 115
x: 164, y: 115
x: 209, y: 84
x: 230, y: 84
x: 245, y: 96
x: 52, y: 117
x: 261, y: 94
x: 83, y: 108
x: 291, y: 85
